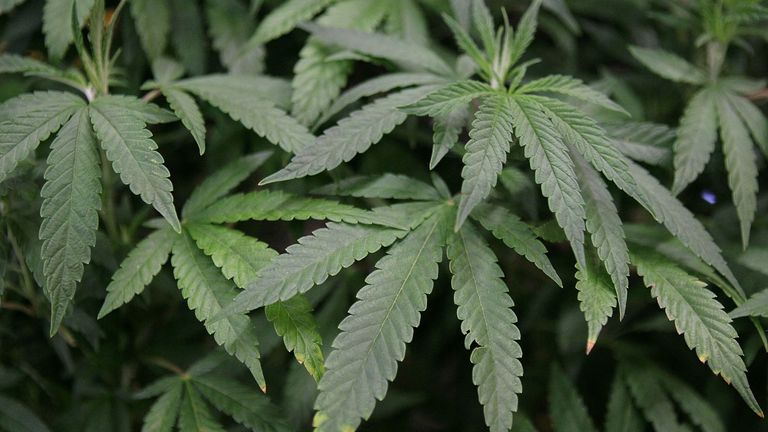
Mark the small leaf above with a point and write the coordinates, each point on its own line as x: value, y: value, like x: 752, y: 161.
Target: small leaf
x: 696, y: 138
x: 757, y: 305
x: 138, y: 269
x: 294, y: 322
x: 622, y: 416
x: 162, y: 414
x: 596, y: 300
x: 57, y: 25
x: 568, y: 411
x: 187, y: 110
x: 447, y: 99
x: 153, y: 25
x: 387, y: 186
x: 195, y: 416
x: 284, y: 18
x: 568, y: 86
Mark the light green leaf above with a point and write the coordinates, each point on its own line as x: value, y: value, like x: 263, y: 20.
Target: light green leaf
x: 517, y: 235
x: 483, y: 22
x: 162, y: 414
x: 138, y: 269
x: 294, y: 322
x: 145, y: 111
x: 604, y: 225
x: 223, y: 181
x: 276, y: 205
x: 487, y: 148
x: 312, y: 260
x: 387, y: 186
x: 700, y: 318
x: 374, y: 334
x: 447, y: 99
x: 487, y: 319
x: 243, y: 403
x: 284, y: 18
x: 696, y: 138
x: 153, y: 25
x: 526, y: 28
x: 230, y: 25
x: 668, y: 65
x: 741, y: 164
x: 238, y: 256
x: 757, y: 305
x: 553, y: 167
x: 596, y: 300
x: 129, y: 146
x: 566, y: 406
x: 351, y: 136
x: 248, y: 101
x: 57, y: 23
x: 187, y: 110
x: 195, y: 416
x: 29, y: 119
x: 407, y: 20
x: 622, y: 416
x: 378, y: 45
x: 71, y: 200
x: 569, y: 86
x: 11, y: 63
x: 207, y: 291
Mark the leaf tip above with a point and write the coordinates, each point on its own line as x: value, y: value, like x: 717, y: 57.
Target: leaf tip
x: 590, y: 344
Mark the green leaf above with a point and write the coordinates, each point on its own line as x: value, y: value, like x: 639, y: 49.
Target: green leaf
x: 11, y: 63
x: 447, y: 99
x: 487, y: 319
x: 569, y: 86
x: 741, y: 164
x: 650, y: 397
x: 752, y: 117
x: 153, y: 25
x: 188, y: 37
x: 596, y: 300
x: 668, y: 65
x: 207, y: 291
x: 162, y: 414
x: 223, y: 181
x: 129, y: 146
x: 554, y: 169
x: 483, y: 22
x: 187, y: 110
x: 16, y: 417
x: 243, y: 403
x: 700, y: 318
x: 248, y: 101
x: 757, y: 305
x: 230, y: 25
x: 622, y: 416
x: 312, y: 260
x: 604, y: 225
x: 318, y: 79
x: 590, y: 140
x: 351, y: 136
x: 644, y: 142
x: 195, y: 416
x: 138, y: 269
x: 379, y: 45
x: 696, y: 138
x: 517, y: 235
x: 294, y: 322
x: 374, y: 334
x: 679, y: 221
x: 407, y: 20
x: 373, y: 86
x: 526, y: 28
x: 446, y: 133
x: 71, y: 201
x: 238, y: 256
x: 387, y: 186
x: 29, y: 119
x: 698, y: 409
x: 487, y: 148
x: 276, y: 205
x: 57, y: 25
x: 284, y: 18
x: 566, y: 406
x: 145, y: 111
